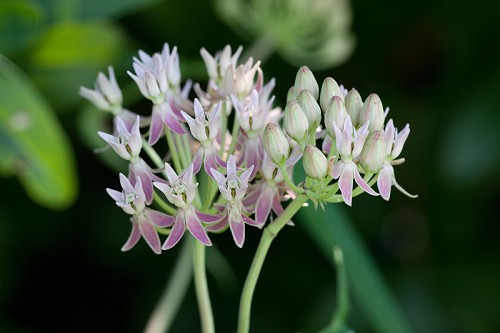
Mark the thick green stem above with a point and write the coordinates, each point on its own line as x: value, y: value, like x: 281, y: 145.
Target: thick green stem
x: 268, y: 236
x: 174, y: 293
x: 287, y: 179
x: 200, y: 283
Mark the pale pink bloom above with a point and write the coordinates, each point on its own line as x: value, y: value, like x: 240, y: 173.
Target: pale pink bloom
x: 180, y: 191
x: 394, y: 143
x: 106, y: 95
x: 204, y: 127
x: 349, y: 144
x: 253, y: 114
x: 144, y: 220
x: 233, y: 189
x: 156, y: 74
x: 126, y: 143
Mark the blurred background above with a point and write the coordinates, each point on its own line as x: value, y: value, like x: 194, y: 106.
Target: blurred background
x: 434, y: 63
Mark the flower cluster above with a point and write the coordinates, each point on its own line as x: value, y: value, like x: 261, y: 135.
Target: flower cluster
x: 248, y: 164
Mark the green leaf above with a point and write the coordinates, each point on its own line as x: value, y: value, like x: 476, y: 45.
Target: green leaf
x: 69, y: 56
x: 32, y: 143
x: 20, y: 22
x: 332, y: 227
x: 88, y: 9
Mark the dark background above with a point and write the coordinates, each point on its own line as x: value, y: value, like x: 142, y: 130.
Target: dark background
x: 436, y: 64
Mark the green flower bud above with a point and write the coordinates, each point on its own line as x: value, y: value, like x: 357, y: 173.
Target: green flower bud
x: 329, y: 89
x: 305, y: 80
x: 314, y: 162
x: 372, y: 111
x: 373, y: 154
x: 335, y: 113
x: 311, y: 108
x: 290, y: 96
x: 295, y: 122
x: 354, y: 104
x: 276, y: 144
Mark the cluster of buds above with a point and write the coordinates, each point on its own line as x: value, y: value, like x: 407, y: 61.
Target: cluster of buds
x: 247, y: 165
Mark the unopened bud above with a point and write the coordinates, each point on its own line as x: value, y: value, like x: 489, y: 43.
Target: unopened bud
x: 276, y: 144
x: 335, y: 113
x: 372, y: 111
x: 373, y: 154
x: 329, y: 88
x: 305, y: 80
x: 310, y: 108
x: 295, y: 122
x: 314, y: 162
x: 353, y: 104
x: 290, y: 96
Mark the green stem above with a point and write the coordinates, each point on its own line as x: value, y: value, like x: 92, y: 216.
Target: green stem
x: 268, y: 236
x: 287, y: 179
x: 165, y: 206
x: 153, y: 155
x: 234, y: 135
x: 173, y: 151
x: 200, y: 283
x: 173, y: 295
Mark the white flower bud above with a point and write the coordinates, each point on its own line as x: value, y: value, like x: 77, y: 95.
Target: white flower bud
x: 373, y: 154
x: 329, y: 88
x: 354, y: 104
x: 310, y: 108
x: 314, y: 162
x: 372, y: 111
x: 305, y: 80
x: 276, y: 144
x: 295, y: 122
x: 335, y: 113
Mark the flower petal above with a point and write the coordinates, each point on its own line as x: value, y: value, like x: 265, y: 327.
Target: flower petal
x: 160, y: 219
x: 156, y: 126
x: 263, y: 206
x: 195, y: 228
x: 361, y: 182
x: 176, y: 232
x: 209, y: 218
x: 384, y: 181
x: 150, y: 235
x: 134, y: 237
x: 237, y: 229
x: 345, y: 183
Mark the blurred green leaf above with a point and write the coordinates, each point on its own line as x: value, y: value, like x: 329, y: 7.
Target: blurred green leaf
x: 330, y: 228
x: 32, y: 143
x: 70, y: 55
x: 20, y: 22
x: 89, y: 9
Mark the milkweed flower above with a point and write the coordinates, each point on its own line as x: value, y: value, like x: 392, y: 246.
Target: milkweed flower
x: 144, y: 220
x: 233, y: 188
x: 204, y: 127
x: 180, y: 191
x: 394, y: 143
x: 349, y: 143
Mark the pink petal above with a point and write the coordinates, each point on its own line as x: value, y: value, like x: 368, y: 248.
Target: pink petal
x: 337, y: 169
x: 209, y: 218
x: 197, y: 159
x: 171, y: 120
x: 210, y: 161
x: 252, y: 156
x: 176, y: 232
x: 195, y: 228
x: 250, y: 221
x: 160, y: 219
x: 263, y: 206
x: 150, y: 235
x: 345, y: 184
x: 138, y: 170
x: 361, y: 182
x: 237, y: 229
x: 117, y: 196
x: 134, y: 237
x: 384, y: 181
x: 156, y: 126
x: 216, y: 227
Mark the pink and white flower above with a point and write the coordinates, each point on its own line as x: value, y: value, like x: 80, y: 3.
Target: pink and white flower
x: 349, y: 144
x: 394, y: 143
x: 180, y: 191
x: 233, y: 189
x: 144, y: 220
